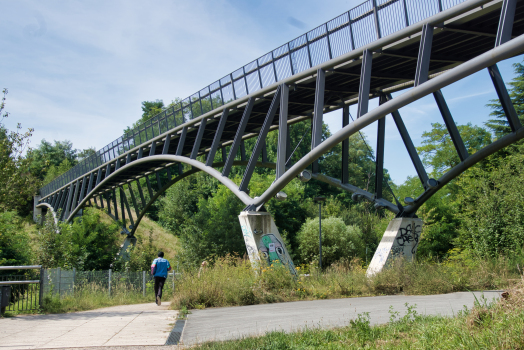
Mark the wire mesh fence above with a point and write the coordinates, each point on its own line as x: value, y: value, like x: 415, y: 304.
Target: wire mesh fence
x: 60, y: 282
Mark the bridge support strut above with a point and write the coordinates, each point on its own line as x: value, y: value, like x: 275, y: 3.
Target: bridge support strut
x: 263, y: 241
x: 400, y: 240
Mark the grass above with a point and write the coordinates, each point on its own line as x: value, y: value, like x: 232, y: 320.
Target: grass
x: 231, y: 281
x: 485, y: 326
x: 95, y: 296
x: 162, y: 239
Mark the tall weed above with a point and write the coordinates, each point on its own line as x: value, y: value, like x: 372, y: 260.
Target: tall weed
x: 232, y: 281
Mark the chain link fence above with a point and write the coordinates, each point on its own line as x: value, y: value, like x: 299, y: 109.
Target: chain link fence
x: 60, y: 282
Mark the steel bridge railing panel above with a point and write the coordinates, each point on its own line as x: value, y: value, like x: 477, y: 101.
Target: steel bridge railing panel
x: 347, y: 32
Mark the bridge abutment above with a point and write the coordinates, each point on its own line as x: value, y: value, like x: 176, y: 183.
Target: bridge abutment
x: 263, y: 241
x: 400, y: 240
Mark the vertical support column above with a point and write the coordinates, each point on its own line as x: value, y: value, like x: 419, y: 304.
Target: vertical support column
x: 365, y: 83
x: 198, y: 140
x: 412, y: 151
x: 75, y: 197
x: 217, y: 138
x: 133, y: 199
x: 379, y: 165
x: 141, y: 193
x: 451, y: 126
x: 261, y: 141
x: 504, y: 98
x: 238, y: 137
x: 424, y: 54
x: 316, y: 137
x: 167, y: 142
x: 345, y: 147
x: 399, y: 241
x: 263, y: 241
x: 507, y: 16
x: 282, y: 132
x: 69, y: 200
x: 377, y: 22
x: 149, y: 189
x: 115, y: 204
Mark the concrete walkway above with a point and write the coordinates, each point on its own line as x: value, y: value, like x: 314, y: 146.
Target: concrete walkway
x: 141, y: 324
x: 236, y: 322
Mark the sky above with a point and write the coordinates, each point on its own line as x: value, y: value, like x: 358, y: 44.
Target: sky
x: 79, y: 70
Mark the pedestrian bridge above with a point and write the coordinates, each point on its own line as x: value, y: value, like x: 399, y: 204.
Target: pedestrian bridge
x: 413, y: 48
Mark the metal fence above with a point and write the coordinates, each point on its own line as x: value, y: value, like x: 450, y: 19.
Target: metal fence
x: 29, y: 284
x: 360, y: 26
x: 25, y: 282
x: 65, y: 282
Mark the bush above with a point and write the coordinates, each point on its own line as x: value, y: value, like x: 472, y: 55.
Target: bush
x: 338, y: 241
x: 492, y: 209
x: 85, y: 244
x: 14, y: 242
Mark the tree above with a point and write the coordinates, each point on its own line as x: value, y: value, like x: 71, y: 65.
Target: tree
x: 17, y: 185
x: 491, y: 209
x: 47, y: 154
x: 438, y: 150
x: 338, y: 241
x: 500, y: 125
x: 149, y: 110
x: 14, y: 242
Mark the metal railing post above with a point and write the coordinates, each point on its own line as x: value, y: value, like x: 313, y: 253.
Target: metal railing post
x: 41, y: 291
x: 144, y: 283
x: 109, y: 283
x: 59, y: 279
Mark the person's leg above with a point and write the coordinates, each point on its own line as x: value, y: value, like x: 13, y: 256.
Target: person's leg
x: 161, y: 283
x: 157, y: 285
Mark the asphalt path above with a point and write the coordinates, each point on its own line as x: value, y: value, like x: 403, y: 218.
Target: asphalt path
x: 242, y: 321
x: 147, y: 326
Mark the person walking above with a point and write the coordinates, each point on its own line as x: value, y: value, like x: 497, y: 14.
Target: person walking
x: 159, y: 269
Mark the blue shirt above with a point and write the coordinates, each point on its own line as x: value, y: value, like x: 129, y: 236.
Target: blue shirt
x: 160, y: 266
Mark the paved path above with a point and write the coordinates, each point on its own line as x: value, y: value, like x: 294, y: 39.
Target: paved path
x: 147, y: 326
x: 236, y: 322
x: 141, y: 324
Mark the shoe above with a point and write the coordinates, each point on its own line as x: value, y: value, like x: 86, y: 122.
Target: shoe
x: 158, y: 302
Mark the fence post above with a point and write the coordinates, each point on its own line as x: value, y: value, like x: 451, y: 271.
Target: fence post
x: 174, y: 273
x: 144, y: 283
x: 74, y: 279
x: 109, y: 286
x: 59, y: 279
x: 41, y: 292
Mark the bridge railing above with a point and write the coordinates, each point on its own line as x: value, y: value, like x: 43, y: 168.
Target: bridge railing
x: 360, y: 26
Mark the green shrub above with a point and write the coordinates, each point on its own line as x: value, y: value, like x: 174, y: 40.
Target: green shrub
x: 85, y: 244
x: 338, y: 241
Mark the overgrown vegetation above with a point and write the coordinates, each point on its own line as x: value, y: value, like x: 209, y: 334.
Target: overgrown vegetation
x: 486, y: 326
x: 231, y: 281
